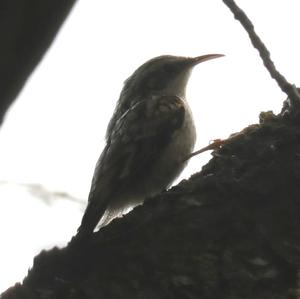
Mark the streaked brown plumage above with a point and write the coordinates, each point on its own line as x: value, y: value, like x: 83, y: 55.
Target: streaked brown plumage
x: 147, y: 139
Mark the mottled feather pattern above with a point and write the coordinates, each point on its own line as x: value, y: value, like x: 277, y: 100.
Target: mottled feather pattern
x: 148, y: 139
x: 138, y: 137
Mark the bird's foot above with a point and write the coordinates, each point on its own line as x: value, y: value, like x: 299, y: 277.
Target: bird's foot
x: 213, y: 145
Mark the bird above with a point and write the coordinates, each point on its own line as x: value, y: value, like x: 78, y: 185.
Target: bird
x: 150, y: 134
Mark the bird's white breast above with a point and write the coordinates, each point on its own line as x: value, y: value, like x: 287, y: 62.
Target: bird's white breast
x: 170, y: 164
x: 165, y: 169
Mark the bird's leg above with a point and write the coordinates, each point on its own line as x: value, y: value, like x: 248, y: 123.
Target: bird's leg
x: 215, y: 144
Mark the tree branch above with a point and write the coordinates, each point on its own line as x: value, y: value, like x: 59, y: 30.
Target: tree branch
x: 27, y: 28
x: 285, y: 86
x: 231, y: 231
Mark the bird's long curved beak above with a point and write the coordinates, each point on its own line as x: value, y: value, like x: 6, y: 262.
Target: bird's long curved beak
x: 203, y: 58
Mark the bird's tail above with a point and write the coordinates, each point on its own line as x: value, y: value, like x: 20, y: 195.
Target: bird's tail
x: 91, y: 217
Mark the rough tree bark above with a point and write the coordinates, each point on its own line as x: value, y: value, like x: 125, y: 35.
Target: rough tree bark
x: 230, y: 231
x: 27, y: 28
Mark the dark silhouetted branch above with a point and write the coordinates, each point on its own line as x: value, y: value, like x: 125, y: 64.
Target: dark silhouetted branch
x: 27, y: 28
x: 231, y: 231
x: 285, y: 86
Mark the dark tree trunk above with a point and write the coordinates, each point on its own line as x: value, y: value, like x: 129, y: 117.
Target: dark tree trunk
x: 231, y: 231
x: 27, y: 28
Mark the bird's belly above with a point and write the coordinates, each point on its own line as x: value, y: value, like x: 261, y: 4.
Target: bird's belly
x: 171, y: 163
x: 163, y: 171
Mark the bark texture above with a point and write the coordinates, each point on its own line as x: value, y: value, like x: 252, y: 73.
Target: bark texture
x: 230, y: 231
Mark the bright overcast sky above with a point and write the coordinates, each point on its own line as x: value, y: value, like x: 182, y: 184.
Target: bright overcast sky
x: 55, y: 131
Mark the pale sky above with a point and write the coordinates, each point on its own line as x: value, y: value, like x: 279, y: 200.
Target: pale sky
x: 55, y: 131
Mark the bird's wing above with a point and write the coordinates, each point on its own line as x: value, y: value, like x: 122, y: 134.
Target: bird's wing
x: 138, y: 137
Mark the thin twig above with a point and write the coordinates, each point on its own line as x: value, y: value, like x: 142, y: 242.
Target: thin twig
x: 285, y: 86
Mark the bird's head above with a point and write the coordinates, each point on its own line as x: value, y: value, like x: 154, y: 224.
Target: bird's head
x: 167, y: 75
